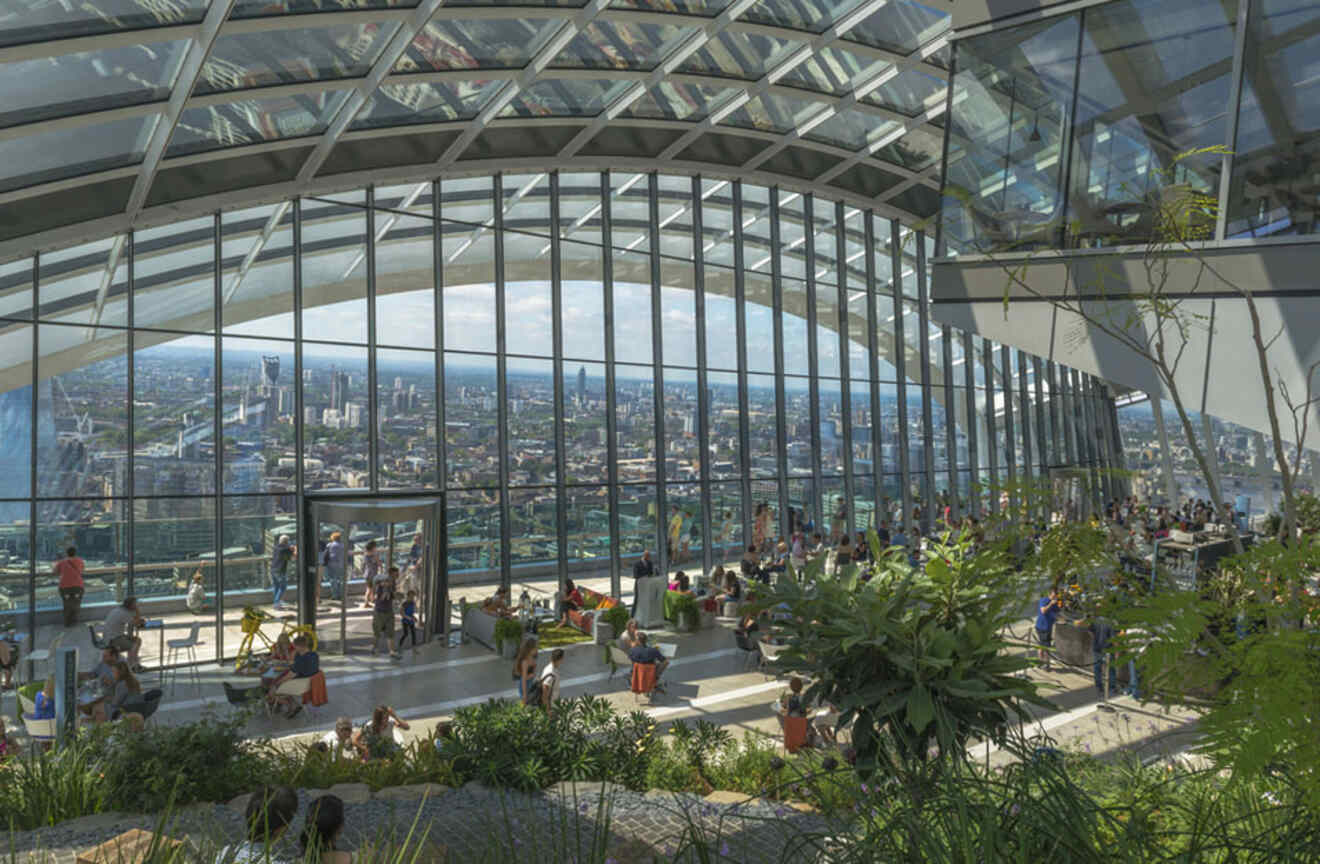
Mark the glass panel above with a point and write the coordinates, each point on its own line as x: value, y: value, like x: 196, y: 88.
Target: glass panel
x: 1274, y: 187
x: 97, y: 529
x: 889, y: 431
x: 636, y: 523
x: 469, y: 276
x: 797, y: 358
x: 722, y: 389
x: 405, y: 397
x: 16, y: 289
x: 684, y: 534
x: 16, y: 420
x: 797, y: 417
x: 682, y: 445
x: 827, y: 331
x: 829, y: 406
x: 479, y: 43
x: 37, y: 21
x: 583, y: 301
x: 588, y: 523
x: 634, y: 408
x: 675, y: 208
x: 762, y: 427
x: 726, y: 521
x: 706, y: 8
x: 252, y: 529
x: 851, y: 130
x: 758, y: 317
x: 1148, y: 105
x: 334, y: 296
x: 174, y: 418
x: 620, y: 45
x: 44, y: 157
x: 579, y: 209
x: 721, y: 320
x: 336, y: 421
x: 1017, y: 84
x: 517, y: 2
x: 830, y: 70
x: 527, y: 209
x: 261, y: 8
x: 735, y: 55
x: 173, y: 542
x: 586, y: 433
x: 912, y: 91
x: 678, y: 313
x: 765, y: 514
x: 774, y: 113
x: 263, y: 58
x: 532, y: 527
x: 259, y: 411
x: 531, y: 421
x: 527, y: 304
x: 422, y: 102
x: 859, y: 354
x: 916, y: 150
x: 472, y: 522
x: 248, y: 121
x: 568, y: 97
x: 671, y: 100
x: 900, y: 26
x: 859, y: 395
x: 471, y: 420
x: 88, y: 81
x: 405, y: 281
x: 82, y: 412
x: 174, y: 276
x: 257, y: 284
x: 632, y: 311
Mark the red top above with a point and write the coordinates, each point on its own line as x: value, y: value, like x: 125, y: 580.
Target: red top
x: 70, y: 570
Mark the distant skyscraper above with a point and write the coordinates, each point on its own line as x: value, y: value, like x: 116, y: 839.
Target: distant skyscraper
x: 582, y: 385
x: 353, y: 419
x: 338, y: 390
x: 270, y: 374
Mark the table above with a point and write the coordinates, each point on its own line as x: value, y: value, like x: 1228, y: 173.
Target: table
x: 669, y: 649
x: 158, y: 624
x: 90, y: 693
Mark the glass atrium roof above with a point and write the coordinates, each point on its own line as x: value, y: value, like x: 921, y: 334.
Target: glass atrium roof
x: 124, y: 113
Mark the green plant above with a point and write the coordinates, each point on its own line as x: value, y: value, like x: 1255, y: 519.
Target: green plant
x: 617, y: 618
x: 507, y: 630
x: 48, y: 788
x: 699, y: 745
x: 686, y: 611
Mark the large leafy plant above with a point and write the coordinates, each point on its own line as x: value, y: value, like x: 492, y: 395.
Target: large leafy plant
x: 913, y: 658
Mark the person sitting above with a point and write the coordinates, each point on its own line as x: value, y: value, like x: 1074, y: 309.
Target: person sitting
x: 750, y: 564
x: 270, y: 811
x: 281, y: 653
x: 682, y: 584
x: 748, y: 625
x: 44, y: 704
x: 498, y: 603
x: 628, y: 638
x: 732, y: 589
x: 120, y: 627
x: 714, y: 582
x: 305, y: 664
x: 375, y: 739
x: 572, y: 601
x: 843, y: 554
x: 125, y: 688
x: 795, y: 707
x: 339, y: 741
x: 646, y: 653
x: 197, y: 594
x: 445, y: 743
x: 8, y: 660
x: 321, y: 830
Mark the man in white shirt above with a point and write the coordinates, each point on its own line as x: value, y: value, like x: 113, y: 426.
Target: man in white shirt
x: 120, y: 625
x: 340, y: 740
x: 550, y: 680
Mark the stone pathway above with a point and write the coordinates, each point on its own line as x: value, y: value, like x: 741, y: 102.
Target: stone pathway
x: 476, y: 823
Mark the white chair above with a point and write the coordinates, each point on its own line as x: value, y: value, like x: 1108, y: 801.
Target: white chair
x: 295, y: 688
x: 39, y: 730
x: 176, y: 647
x: 769, y: 654
x: 618, y: 659
x: 46, y: 655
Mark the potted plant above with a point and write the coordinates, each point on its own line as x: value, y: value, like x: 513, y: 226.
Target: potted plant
x: 611, y: 623
x: 687, y: 615
x: 508, y: 635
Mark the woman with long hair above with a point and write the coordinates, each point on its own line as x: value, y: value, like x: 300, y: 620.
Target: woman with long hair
x: 524, y: 666
x: 321, y: 830
x: 125, y: 687
x: 375, y: 738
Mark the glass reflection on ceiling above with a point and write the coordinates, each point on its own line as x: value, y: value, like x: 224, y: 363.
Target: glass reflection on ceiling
x: 23, y: 21
x: 262, y: 8
x: 63, y: 153
x: 290, y: 56
x: 479, y: 43
x: 735, y: 55
x: 565, y: 98
x: 901, y: 26
x: 249, y: 121
x: 670, y: 101
x: 87, y: 81
x: 619, y: 45
x: 829, y: 70
x: 405, y: 104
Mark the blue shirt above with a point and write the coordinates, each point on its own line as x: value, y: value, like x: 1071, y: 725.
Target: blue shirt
x: 306, y: 665
x: 646, y: 654
x: 45, y: 708
x: 410, y: 612
x: 1045, y: 620
x: 333, y: 556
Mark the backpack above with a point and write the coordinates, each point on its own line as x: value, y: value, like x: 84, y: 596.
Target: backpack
x: 535, y: 690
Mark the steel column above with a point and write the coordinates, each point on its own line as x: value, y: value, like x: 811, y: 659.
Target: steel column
x: 130, y: 482
x: 950, y: 422
x: 927, y: 410
x: 1042, y: 438
x: 1024, y: 420
x: 992, y: 440
x: 703, y: 398
x: 373, y: 398
x: 611, y: 408
x: 845, y: 371
x: 777, y: 301
x: 309, y: 578
x: 501, y: 384
x: 557, y: 336
x: 439, y: 559
x: 34, y: 443
x: 658, y: 374
x: 873, y: 367
x: 973, y: 445
x: 817, y: 504
x: 1010, y: 429
x: 218, y: 427
x: 740, y: 326
x: 900, y: 366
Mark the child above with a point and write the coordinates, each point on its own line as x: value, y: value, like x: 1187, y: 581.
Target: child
x: 409, y: 621
x: 197, y: 594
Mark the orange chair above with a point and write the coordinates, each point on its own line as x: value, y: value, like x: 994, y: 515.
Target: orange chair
x: 795, y: 733
x: 316, y: 694
x: 643, y: 680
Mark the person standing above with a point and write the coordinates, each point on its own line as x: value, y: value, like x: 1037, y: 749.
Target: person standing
x: 1102, y: 636
x: 371, y: 573
x: 675, y: 531
x: 279, y: 569
x: 382, y: 618
x: 550, y: 680
x: 1049, y: 612
x: 409, y: 621
x: 648, y: 591
x: 69, y: 569
x: 334, y: 560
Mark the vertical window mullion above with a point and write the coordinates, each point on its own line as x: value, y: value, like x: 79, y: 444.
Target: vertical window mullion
x: 950, y: 422
x: 873, y: 368
x: 703, y: 396
x: 658, y: 372
x: 373, y: 398
x: 217, y: 394
x: 740, y: 328
x: 557, y: 330
x: 845, y: 362
x: 973, y: 448
x: 501, y: 384
x: 900, y: 373
x: 777, y: 301
x: 927, y: 410
x: 814, y: 508
x: 991, y: 439
x: 611, y: 418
